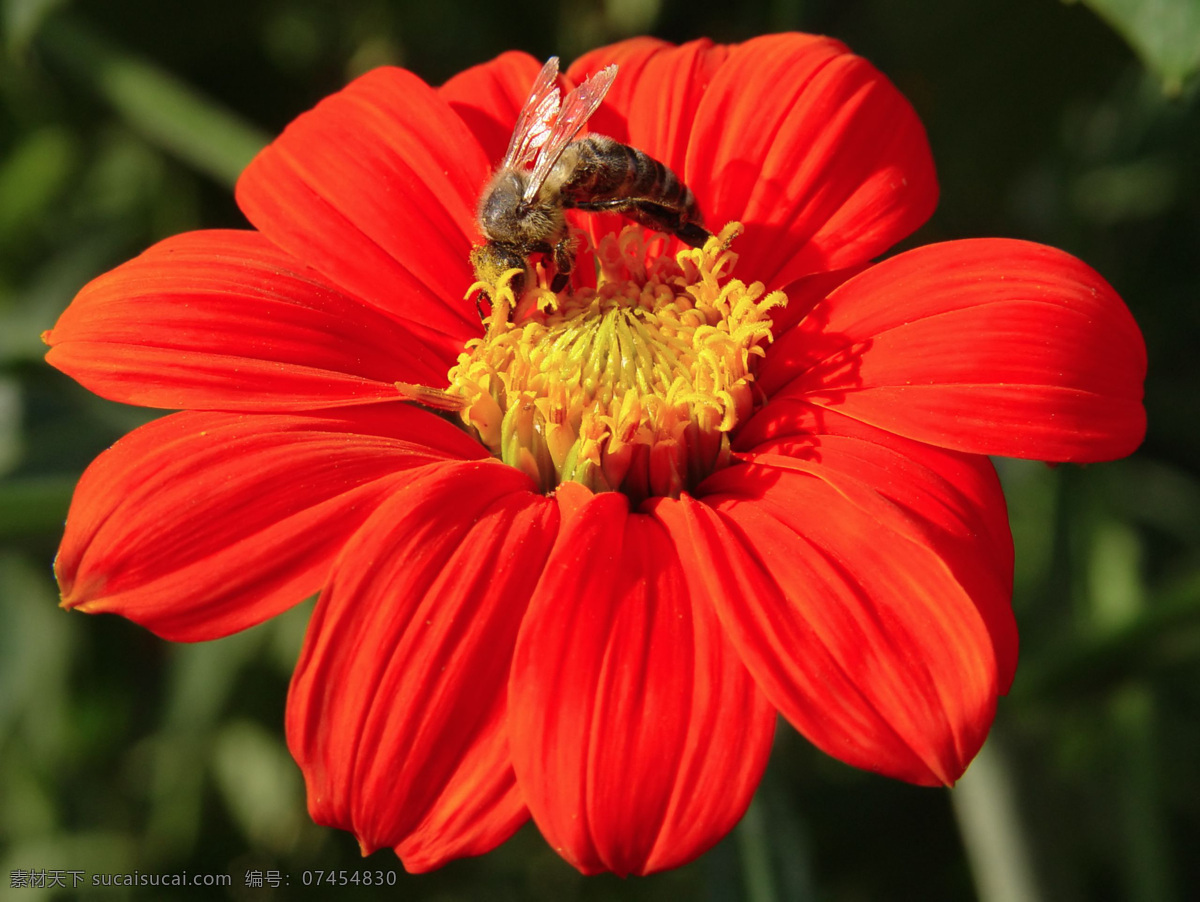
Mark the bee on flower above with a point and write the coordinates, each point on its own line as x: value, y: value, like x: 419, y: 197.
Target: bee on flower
x: 545, y: 171
x: 698, y: 483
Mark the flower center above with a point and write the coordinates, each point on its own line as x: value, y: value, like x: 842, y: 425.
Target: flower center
x: 631, y: 386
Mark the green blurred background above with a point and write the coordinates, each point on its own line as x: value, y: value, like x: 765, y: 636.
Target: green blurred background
x: 123, y: 121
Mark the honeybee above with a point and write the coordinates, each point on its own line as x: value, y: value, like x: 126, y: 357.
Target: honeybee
x: 546, y: 170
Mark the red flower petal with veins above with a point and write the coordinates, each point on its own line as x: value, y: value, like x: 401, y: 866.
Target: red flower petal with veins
x: 201, y: 524
x: 637, y: 734
x: 883, y: 634
x: 988, y: 346
x: 238, y: 325
x: 397, y: 708
x: 376, y: 189
x: 782, y: 133
x: 482, y: 652
x: 952, y: 500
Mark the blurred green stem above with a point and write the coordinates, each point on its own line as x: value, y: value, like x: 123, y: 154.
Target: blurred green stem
x: 1118, y: 600
x: 996, y: 846
x: 755, y: 849
x: 156, y: 104
x: 1147, y: 847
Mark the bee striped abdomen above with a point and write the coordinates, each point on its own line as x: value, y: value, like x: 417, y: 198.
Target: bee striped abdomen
x: 599, y: 173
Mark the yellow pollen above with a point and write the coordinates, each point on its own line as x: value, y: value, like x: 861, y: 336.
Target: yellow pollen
x: 632, y: 386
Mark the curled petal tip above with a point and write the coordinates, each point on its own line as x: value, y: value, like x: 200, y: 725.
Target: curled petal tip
x: 85, y: 596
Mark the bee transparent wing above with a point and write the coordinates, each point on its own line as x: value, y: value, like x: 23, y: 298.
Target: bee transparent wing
x: 575, y: 112
x: 536, y: 119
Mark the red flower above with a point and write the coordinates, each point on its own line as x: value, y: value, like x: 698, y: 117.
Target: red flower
x: 830, y: 544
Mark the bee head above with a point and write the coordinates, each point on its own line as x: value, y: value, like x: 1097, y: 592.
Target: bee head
x: 505, y: 215
x: 500, y: 207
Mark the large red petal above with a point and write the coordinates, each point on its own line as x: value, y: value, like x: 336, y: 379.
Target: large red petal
x: 376, y: 188
x: 652, y: 104
x: 804, y: 294
x: 489, y: 96
x: 852, y: 624
x: 225, y: 320
x: 637, y: 735
x: 201, y: 524
x: 397, y: 708
x: 813, y: 150
x: 952, y: 501
x: 990, y: 346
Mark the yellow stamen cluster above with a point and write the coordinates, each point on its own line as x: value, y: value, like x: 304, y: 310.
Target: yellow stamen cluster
x: 632, y: 386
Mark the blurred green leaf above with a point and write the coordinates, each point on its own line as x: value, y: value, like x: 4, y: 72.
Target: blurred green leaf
x: 160, y: 106
x: 202, y: 676
x: 35, y: 654
x: 1165, y: 634
x: 1113, y: 194
x: 29, y: 808
x: 174, y: 762
x: 294, y: 37
x: 34, y: 506
x: 1165, y: 34
x: 287, y: 636
x: 32, y: 175
x: 1158, y: 494
x: 632, y: 16
x: 1116, y: 588
x: 22, y: 18
x: 93, y: 852
x: 261, y: 785
x: 1031, y: 489
x: 10, y: 424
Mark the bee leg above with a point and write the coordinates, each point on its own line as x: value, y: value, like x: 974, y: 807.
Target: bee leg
x: 655, y: 216
x: 692, y: 234
x: 479, y: 296
x: 564, y: 262
x: 665, y: 219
